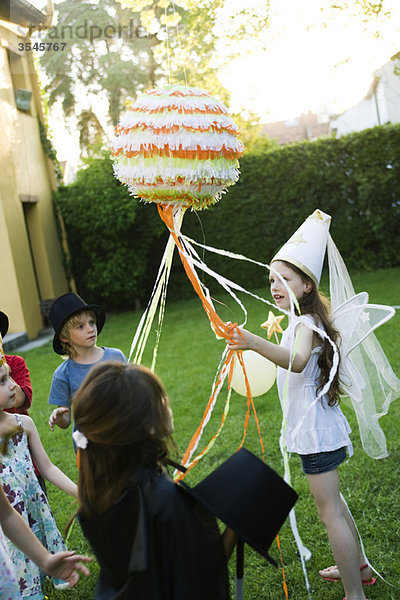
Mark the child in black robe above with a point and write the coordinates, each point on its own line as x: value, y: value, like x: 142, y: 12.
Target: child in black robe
x: 151, y: 539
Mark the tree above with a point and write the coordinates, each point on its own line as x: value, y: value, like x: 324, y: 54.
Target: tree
x: 370, y: 9
x: 102, y: 54
x: 192, y: 31
x: 115, y: 49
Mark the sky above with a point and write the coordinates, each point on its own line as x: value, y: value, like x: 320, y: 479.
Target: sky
x: 310, y: 58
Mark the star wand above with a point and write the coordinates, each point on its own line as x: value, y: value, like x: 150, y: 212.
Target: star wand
x: 272, y: 325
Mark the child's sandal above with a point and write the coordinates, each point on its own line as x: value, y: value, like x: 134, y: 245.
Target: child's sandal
x: 371, y: 581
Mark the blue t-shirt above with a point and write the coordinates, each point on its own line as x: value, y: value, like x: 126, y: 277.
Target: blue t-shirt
x: 69, y: 375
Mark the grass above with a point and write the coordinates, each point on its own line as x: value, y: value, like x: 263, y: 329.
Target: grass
x: 187, y: 362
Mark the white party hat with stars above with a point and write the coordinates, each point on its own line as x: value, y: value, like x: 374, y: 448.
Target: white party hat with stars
x: 306, y: 248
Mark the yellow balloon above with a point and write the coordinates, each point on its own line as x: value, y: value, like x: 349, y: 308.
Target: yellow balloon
x: 261, y: 374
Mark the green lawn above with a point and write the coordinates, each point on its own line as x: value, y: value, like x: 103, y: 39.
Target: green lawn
x: 187, y: 361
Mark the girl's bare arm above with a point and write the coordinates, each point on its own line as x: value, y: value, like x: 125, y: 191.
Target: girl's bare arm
x: 245, y: 340
x: 47, y: 469
x: 64, y: 565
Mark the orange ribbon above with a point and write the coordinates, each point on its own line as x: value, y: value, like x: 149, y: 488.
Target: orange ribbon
x: 221, y: 329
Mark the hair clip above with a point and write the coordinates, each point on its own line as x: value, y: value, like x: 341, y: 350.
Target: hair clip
x: 80, y: 439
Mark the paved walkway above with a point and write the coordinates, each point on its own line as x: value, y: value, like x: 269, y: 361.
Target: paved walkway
x: 40, y: 341
x: 18, y: 342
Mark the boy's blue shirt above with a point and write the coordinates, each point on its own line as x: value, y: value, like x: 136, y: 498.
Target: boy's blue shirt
x: 69, y: 375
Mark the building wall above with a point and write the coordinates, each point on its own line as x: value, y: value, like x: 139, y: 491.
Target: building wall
x: 308, y: 126
x: 380, y: 106
x: 389, y: 86
x: 31, y: 268
x: 361, y: 116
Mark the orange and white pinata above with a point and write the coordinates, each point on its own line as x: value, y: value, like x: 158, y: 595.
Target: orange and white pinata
x: 177, y: 145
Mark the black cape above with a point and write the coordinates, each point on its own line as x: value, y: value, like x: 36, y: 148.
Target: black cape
x: 157, y: 543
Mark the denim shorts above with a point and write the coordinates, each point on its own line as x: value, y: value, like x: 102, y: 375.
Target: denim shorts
x: 322, y: 461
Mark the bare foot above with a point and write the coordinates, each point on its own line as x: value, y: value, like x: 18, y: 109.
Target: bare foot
x: 332, y: 574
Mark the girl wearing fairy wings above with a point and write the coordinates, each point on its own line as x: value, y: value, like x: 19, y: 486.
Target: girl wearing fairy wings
x: 318, y: 361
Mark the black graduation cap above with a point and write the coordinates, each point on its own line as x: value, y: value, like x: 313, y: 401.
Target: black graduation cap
x: 248, y: 496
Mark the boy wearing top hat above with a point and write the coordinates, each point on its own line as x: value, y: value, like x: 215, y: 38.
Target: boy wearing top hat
x: 76, y: 326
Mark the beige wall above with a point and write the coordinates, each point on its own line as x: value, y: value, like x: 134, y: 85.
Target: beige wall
x: 30, y: 272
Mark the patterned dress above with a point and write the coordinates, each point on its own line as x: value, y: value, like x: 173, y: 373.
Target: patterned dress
x: 9, y: 589
x: 23, y: 491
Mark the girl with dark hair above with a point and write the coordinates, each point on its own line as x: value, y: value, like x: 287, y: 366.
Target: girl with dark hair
x: 309, y: 389
x: 151, y: 539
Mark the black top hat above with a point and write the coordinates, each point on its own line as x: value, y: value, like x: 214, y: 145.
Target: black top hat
x: 3, y: 324
x: 63, y: 308
x: 249, y: 497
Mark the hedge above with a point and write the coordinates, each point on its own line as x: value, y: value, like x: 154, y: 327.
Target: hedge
x: 110, y: 235
x: 116, y: 242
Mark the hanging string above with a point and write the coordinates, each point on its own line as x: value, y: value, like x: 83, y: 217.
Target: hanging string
x: 166, y: 30
x: 179, y: 43
x: 178, y: 37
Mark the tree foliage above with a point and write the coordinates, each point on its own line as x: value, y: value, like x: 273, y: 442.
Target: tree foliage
x: 354, y: 178
x: 191, y: 31
x: 116, y: 49
x: 370, y: 9
x: 107, y: 57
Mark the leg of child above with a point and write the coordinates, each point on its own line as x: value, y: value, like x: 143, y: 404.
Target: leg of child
x: 333, y: 572
x: 345, y: 547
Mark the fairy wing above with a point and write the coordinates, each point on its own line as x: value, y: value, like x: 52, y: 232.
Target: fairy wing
x: 366, y: 375
x: 356, y: 319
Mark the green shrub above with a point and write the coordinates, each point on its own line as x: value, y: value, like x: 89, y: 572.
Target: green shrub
x: 109, y: 234
x: 355, y: 178
x: 116, y: 242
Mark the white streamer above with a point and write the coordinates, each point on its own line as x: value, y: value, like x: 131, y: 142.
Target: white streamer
x: 304, y: 552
